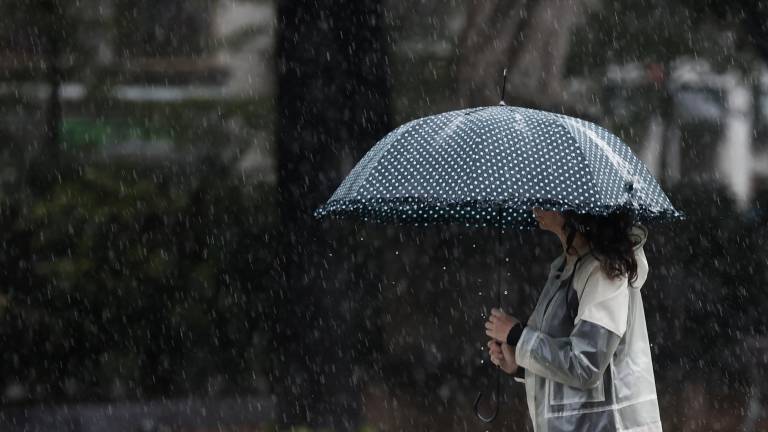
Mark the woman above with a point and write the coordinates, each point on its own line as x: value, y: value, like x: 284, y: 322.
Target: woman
x: 584, y: 354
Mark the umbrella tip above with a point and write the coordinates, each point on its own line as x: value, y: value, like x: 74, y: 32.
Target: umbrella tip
x: 503, y: 86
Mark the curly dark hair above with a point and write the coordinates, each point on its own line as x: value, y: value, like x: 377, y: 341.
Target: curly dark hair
x: 610, y: 240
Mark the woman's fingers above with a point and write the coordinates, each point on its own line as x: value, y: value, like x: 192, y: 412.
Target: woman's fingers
x: 506, y: 350
x: 508, y: 353
x: 496, y: 353
x: 494, y: 348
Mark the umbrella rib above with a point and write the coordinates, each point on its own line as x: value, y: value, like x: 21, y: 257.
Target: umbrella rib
x: 375, y: 155
x: 621, y: 165
x: 563, y: 123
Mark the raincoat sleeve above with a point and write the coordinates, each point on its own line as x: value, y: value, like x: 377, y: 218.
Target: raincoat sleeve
x: 580, y: 359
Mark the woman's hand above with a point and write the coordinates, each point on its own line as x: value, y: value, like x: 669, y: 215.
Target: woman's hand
x: 499, y: 324
x: 503, y: 356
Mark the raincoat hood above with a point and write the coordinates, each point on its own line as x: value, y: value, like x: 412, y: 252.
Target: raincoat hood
x: 639, y: 235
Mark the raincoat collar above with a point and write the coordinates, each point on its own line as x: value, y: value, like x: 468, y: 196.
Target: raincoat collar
x: 563, y: 268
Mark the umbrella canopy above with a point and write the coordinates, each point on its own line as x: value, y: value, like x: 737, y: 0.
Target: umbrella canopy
x: 489, y: 166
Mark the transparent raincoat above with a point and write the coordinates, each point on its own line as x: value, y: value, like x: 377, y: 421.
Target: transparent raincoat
x: 585, y: 351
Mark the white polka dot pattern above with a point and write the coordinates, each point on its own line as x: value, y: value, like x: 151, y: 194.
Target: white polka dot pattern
x: 490, y: 166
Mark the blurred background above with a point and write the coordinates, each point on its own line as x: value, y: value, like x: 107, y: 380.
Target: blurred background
x: 160, y: 160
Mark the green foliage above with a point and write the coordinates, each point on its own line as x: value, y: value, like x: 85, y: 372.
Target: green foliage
x: 126, y: 281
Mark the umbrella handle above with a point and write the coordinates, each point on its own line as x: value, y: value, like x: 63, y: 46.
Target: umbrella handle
x: 500, y: 210
x: 476, y: 405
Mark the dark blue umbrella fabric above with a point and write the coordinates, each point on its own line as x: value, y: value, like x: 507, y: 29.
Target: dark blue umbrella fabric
x: 490, y: 166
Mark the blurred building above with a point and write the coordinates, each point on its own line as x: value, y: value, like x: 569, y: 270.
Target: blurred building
x: 136, y: 65
x: 130, y: 66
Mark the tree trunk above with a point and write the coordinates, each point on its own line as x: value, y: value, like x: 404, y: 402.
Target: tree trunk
x: 332, y: 106
x: 531, y: 38
x: 53, y: 119
x: 45, y: 166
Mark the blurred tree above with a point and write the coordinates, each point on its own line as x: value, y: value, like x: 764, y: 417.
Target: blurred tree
x: 181, y: 28
x: 424, y: 37
x: 131, y: 281
x: 749, y: 17
x: 531, y: 39
x: 647, y: 32
x: 128, y: 279
x: 332, y: 105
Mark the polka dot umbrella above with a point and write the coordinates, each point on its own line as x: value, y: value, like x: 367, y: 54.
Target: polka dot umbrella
x: 490, y: 166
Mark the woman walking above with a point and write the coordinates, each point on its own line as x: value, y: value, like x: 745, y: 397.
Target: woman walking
x: 584, y: 354
x: 584, y: 351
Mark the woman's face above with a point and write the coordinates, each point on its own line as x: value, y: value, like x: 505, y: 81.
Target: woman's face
x: 549, y: 220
